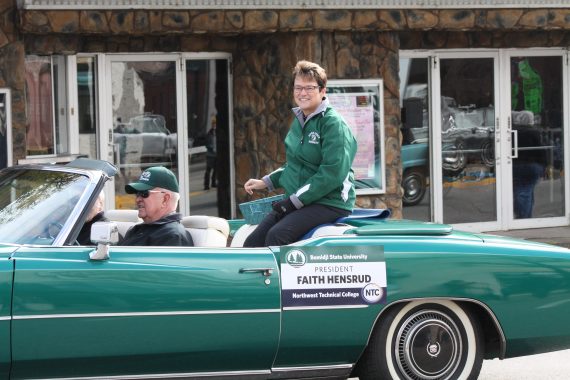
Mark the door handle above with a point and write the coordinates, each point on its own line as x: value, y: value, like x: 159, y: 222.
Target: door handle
x: 515, y: 144
x: 265, y: 271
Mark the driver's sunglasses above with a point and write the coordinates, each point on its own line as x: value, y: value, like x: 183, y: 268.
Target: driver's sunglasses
x: 146, y: 193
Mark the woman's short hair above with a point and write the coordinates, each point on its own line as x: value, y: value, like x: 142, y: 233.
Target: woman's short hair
x: 306, y: 70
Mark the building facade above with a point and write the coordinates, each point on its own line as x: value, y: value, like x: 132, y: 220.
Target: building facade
x: 469, y: 126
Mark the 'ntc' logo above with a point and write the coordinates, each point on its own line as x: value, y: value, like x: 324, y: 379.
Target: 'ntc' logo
x: 372, y: 293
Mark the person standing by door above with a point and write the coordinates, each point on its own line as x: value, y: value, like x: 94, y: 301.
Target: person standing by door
x: 211, y: 157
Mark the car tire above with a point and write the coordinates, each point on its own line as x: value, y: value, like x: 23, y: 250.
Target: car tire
x: 488, y: 153
x: 414, y: 186
x: 402, y: 345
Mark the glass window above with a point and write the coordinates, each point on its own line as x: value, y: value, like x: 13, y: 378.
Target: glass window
x: 538, y: 135
x: 5, y: 132
x: 209, y: 137
x: 414, y: 105
x: 144, y: 121
x: 468, y: 140
x: 48, y: 132
x: 87, y: 105
x: 360, y: 104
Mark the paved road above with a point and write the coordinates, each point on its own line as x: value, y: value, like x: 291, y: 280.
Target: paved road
x: 551, y: 366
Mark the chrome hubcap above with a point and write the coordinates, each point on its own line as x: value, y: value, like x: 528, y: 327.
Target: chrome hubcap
x: 428, y: 346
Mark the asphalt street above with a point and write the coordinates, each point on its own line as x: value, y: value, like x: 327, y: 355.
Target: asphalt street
x: 551, y: 366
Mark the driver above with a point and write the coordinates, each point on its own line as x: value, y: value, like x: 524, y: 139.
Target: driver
x: 96, y: 214
x: 157, y: 199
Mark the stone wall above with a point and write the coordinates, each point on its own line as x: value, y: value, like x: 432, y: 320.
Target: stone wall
x: 11, y: 73
x: 265, y: 45
x: 141, y: 22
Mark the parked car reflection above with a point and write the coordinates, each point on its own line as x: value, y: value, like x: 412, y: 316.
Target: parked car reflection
x: 144, y: 138
x: 468, y: 135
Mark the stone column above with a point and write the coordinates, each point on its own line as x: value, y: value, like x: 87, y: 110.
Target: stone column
x: 12, y: 75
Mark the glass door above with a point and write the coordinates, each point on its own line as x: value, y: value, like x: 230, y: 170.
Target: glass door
x: 209, y: 131
x: 534, y: 138
x: 87, y: 105
x: 143, y: 118
x: 465, y: 101
x: 483, y: 137
x: 415, y: 129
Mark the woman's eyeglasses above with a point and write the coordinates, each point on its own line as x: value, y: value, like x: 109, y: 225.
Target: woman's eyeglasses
x: 308, y: 89
x: 146, y: 193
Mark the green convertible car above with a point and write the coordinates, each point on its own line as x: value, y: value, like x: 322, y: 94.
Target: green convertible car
x: 366, y: 297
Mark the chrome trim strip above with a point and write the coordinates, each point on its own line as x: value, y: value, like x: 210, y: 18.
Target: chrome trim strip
x: 145, y: 314
x: 5, y: 318
x: 325, y: 307
x: 290, y: 4
x: 168, y: 375
x: 312, y: 368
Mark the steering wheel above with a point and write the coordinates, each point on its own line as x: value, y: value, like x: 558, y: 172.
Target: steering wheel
x: 53, y: 229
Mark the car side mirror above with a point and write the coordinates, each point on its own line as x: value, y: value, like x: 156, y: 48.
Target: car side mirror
x: 104, y: 234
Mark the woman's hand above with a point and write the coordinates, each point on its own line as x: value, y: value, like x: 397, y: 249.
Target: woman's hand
x: 254, y: 184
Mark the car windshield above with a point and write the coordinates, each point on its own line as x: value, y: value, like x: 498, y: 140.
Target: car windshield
x: 150, y: 124
x: 35, y: 204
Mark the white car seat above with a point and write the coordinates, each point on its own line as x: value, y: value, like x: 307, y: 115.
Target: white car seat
x: 207, y: 231
x: 125, y: 219
x: 241, y: 234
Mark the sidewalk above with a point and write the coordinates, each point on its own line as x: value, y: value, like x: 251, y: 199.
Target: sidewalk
x: 551, y: 235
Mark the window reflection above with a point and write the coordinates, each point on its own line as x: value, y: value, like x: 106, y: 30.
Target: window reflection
x: 87, y: 105
x: 35, y: 205
x: 415, y: 138
x: 468, y: 140
x: 144, y: 121
x: 48, y: 131
x: 40, y: 137
x: 208, y: 136
x: 537, y: 148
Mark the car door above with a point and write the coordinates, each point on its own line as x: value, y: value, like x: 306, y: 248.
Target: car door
x: 6, y: 275
x: 144, y: 311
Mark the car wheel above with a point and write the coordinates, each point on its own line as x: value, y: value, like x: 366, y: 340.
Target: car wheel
x: 454, y: 160
x: 424, y: 340
x: 488, y: 153
x: 414, y: 185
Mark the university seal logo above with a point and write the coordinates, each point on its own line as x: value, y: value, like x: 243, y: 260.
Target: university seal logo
x: 314, y: 138
x: 296, y: 258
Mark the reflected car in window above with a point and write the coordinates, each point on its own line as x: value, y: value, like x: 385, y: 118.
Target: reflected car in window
x: 468, y: 132
x: 145, y: 138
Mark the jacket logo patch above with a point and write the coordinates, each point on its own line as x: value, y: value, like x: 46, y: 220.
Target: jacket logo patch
x: 314, y: 138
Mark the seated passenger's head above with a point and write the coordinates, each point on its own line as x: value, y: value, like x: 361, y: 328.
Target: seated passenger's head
x: 97, y: 207
x: 156, y: 193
